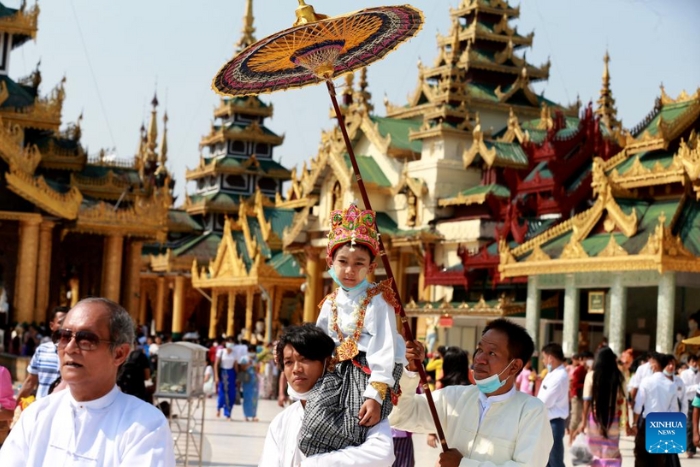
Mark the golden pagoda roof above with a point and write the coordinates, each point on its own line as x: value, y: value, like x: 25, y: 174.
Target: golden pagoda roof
x: 22, y: 22
x: 504, y: 306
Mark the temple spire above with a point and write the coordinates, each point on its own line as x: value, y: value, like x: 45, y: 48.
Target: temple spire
x: 152, y: 135
x: 163, y: 158
x: 606, y: 103
x: 247, y: 37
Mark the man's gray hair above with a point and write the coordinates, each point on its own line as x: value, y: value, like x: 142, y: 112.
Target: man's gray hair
x: 121, y: 326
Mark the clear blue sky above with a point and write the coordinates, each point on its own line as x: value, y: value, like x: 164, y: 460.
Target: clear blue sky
x: 116, y: 54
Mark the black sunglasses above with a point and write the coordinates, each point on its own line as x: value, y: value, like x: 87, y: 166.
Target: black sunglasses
x: 86, y: 340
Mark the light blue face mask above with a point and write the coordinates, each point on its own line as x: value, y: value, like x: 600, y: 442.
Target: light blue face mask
x: 549, y: 367
x: 668, y: 373
x: 334, y: 276
x: 493, y: 383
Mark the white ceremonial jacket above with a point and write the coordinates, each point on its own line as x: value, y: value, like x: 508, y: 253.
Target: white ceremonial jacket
x: 281, y: 445
x: 514, y: 432
x: 114, y: 430
x: 379, y: 338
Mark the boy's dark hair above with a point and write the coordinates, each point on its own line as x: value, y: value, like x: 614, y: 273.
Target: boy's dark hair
x: 520, y: 344
x: 308, y: 339
x: 554, y: 350
x: 357, y: 245
x: 692, y: 358
x: 56, y: 310
x: 662, y: 359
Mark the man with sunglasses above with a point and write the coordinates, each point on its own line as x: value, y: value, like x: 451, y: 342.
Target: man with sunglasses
x: 93, y: 422
x: 43, y: 368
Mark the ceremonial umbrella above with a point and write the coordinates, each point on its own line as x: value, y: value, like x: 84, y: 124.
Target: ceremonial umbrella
x: 317, y: 49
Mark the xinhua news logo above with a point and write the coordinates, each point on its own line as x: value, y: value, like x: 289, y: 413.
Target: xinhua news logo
x: 666, y: 433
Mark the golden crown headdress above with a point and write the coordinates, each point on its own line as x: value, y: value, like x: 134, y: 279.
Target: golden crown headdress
x: 355, y: 227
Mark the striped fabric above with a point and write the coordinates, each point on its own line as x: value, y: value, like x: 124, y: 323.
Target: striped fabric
x: 330, y: 417
x: 403, y: 452
x: 45, y: 365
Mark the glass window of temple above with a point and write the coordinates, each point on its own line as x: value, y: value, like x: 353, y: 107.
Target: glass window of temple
x: 262, y: 149
x: 235, y: 181
x: 237, y: 147
x: 268, y: 184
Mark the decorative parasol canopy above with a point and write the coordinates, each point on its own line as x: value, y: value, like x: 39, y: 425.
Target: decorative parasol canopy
x: 317, y: 49
x: 692, y: 340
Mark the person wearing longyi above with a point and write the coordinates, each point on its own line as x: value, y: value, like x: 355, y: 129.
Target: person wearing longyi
x: 303, y: 354
x: 360, y: 317
x: 489, y: 424
x: 93, y: 422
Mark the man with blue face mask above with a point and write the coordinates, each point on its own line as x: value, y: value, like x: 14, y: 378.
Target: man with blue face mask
x: 489, y: 423
x: 554, y: 392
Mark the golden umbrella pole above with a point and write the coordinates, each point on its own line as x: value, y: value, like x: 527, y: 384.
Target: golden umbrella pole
x: 408, y: 334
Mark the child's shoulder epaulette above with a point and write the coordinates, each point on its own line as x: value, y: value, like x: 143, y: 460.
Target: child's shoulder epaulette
x: 327, y: 297
x: 384, y: 287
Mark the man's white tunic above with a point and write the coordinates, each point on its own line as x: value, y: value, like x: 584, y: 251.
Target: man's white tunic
x: 114, y: 430
x: 514, y: 431
x: 281, y: 445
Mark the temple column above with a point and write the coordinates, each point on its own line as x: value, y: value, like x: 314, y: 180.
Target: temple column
x: 230, y: 313
x: 43, y: 273
x: 25, y: 290
x: 248, y: 313
x: 130, y: 299
x: 178, y: 307
x: 666, y: 304
x: 532, y: 310
x: 618, y: 315
x: 313, y: 270
x: 143, y: 304
x: 571, y: 316
x: 112, y: 267
x: 160, y: 303
x: 213, y: 314
x: 269, y: 315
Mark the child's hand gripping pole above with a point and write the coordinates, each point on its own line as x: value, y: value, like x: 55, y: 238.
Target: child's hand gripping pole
x: 407, y: 333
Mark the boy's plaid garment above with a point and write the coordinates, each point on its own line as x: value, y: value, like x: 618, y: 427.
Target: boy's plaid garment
x: 330, y: 417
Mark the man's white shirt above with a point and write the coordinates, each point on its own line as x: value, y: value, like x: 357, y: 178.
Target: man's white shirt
x: 114, y: 430
x: 554, y: 393
x: 281, y: 445
x: 656, y: 394
x: 691, y: 379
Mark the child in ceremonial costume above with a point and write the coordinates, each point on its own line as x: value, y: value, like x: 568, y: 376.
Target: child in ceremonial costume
x: 370, y: 354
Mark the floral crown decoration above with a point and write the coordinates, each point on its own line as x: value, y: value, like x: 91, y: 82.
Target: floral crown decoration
x: 355, y: 227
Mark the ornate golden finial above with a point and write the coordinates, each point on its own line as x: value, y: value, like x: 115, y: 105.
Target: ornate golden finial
x: 152, y: 135
x: 606, y: 103
x: 306, y: 14
x: 247, y: 37
x: 362, y: 97
x: 163, y: 158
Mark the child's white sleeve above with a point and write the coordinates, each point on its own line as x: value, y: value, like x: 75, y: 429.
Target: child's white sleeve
x: 323, y: 317
x: 381, y: 348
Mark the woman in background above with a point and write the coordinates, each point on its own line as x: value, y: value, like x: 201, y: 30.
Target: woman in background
x: 7, y: 403
x: 604, y: 410
x: 247, y: 370
x: 455, y: 372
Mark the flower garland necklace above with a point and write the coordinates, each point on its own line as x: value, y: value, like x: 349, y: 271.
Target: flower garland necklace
x: 347, y: 349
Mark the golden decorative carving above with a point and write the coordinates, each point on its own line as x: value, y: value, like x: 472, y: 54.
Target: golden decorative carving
x: 24, y: 22
x: 538, y: 255
x: 13, y: 151
x: 573, y: 249
x: 612, y: 249
x: 146, y: 217
x: 36, y: 190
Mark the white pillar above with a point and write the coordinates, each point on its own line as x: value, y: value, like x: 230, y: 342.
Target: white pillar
x: 666, y: 305
x: 618, y: 315
x: 532, y: 310
x: 571, y: 317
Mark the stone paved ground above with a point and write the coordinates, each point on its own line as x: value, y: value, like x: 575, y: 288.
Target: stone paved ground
x: 239, y: 444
